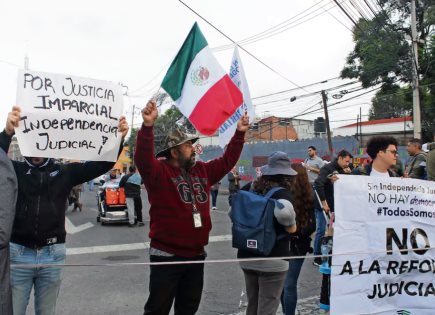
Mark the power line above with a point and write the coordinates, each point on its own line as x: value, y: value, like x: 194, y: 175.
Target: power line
x: 327, y: 11
x: 277, y: 29
x: 294, y: 89
x: 246, y: 51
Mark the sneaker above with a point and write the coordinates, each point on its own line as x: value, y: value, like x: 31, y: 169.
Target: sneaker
x: 213, y: 208
x: 140, y: 223
x: 130, y: 225
x: 317, y: 261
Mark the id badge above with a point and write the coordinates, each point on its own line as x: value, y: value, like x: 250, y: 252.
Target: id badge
x: 197, y: 222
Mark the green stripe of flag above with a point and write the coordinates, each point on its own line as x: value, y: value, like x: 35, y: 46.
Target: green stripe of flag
x: 174, y: 79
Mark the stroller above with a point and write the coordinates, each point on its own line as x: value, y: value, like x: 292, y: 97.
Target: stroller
x: 111, y: 203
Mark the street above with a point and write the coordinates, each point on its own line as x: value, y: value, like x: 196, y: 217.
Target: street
x: 123, y: 289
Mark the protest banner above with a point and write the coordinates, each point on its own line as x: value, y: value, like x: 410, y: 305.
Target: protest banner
x: 68, y: 117
x: 388, y: 227
x: 237, y: 75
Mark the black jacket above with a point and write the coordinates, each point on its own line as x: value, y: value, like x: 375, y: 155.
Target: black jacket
x: 324, y: 186
x: 131, y: 190
x: 42, y: 197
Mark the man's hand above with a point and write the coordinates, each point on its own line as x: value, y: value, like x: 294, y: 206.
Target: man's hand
x: 243, y: 123
x: 150, y: 113
x: 123, y: 126
x: 325, y: 206
x: 13, y: 120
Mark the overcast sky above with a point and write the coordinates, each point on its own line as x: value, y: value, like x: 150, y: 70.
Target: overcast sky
x: 133, y: 42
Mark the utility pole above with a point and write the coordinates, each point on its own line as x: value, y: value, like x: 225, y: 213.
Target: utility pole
x: 328, y: 130
x: 26, y: 62
x: 415, y: 84
x: 360, y: 128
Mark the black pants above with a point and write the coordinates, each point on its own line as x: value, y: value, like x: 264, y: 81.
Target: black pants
x: 182, y: 282
x: 138, y: 208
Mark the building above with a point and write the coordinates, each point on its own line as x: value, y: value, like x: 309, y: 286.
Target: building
x: 401, y: 128
x: 278, y: 128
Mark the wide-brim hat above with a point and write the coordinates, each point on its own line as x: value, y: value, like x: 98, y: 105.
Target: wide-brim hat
x: 173, y: 139
x: 278, y: 163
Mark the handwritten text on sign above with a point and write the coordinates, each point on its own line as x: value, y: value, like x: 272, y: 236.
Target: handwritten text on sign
x: 391, y: 221
x: 68, y: 117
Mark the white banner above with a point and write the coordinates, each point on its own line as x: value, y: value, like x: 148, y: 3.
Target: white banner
x: 237, y: 75
x: 373, y: 215
x: 68, y: 117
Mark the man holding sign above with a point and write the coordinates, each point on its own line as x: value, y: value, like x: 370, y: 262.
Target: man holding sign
x: 38, y: 233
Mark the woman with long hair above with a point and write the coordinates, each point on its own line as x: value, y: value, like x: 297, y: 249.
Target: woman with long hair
x: 265, y: 279
x: 302, y: 199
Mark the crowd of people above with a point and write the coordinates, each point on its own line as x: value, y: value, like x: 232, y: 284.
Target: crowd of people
x: 35, y: 193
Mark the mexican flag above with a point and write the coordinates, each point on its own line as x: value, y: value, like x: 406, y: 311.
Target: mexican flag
x: 201, y: 89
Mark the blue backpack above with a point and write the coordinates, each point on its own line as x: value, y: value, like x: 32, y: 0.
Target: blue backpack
x: 253, y: 221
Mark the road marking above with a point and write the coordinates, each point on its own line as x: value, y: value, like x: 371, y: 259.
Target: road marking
x: 71, y: 229
x: 132, y: 246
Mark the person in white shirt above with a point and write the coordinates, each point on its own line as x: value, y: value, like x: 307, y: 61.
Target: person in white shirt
x: 383, y: 151
x: 313, y: 164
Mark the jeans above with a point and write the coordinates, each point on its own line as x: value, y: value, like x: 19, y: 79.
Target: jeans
x: 320, y: 230
x: 263, y: 290
x: 181, y: 282
x: 45, y: 280
x: 289, y: 295
x: 214, y: 194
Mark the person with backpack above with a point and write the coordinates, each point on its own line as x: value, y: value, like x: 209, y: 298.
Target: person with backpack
x: 300, y: 241
x: 264, y: 279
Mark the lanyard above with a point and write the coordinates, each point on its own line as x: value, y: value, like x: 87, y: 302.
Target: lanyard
x: 197, y: 221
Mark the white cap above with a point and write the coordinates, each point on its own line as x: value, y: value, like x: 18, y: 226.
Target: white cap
x: 424, y: 147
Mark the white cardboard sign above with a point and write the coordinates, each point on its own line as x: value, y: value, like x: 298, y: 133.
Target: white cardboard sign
x: 68, y: 117
x: 375, y: 215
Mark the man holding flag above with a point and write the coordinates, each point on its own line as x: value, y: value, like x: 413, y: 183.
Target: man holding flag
x: 180, y: 223
x: 178, y: 186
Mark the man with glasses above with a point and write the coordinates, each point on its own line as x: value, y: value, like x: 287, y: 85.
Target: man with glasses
x: 313, y: 164
x: 383, y: 151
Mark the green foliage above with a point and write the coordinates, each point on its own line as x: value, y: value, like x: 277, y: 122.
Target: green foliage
x: 171, y: 119
x: 383, y: 55
x: 393, y: 102
x: 131, y: 142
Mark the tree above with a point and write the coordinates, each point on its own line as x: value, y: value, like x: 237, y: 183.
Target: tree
x: 131, y: 142
x: 392, y: 103
x: 383, y: 55
x: 170, y: 119
x: 165, y: 123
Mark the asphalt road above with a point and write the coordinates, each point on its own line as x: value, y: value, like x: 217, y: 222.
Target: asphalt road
x: 121, y: 289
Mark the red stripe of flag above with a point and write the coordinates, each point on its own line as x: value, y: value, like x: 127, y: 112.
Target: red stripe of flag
x: 216, y: 106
